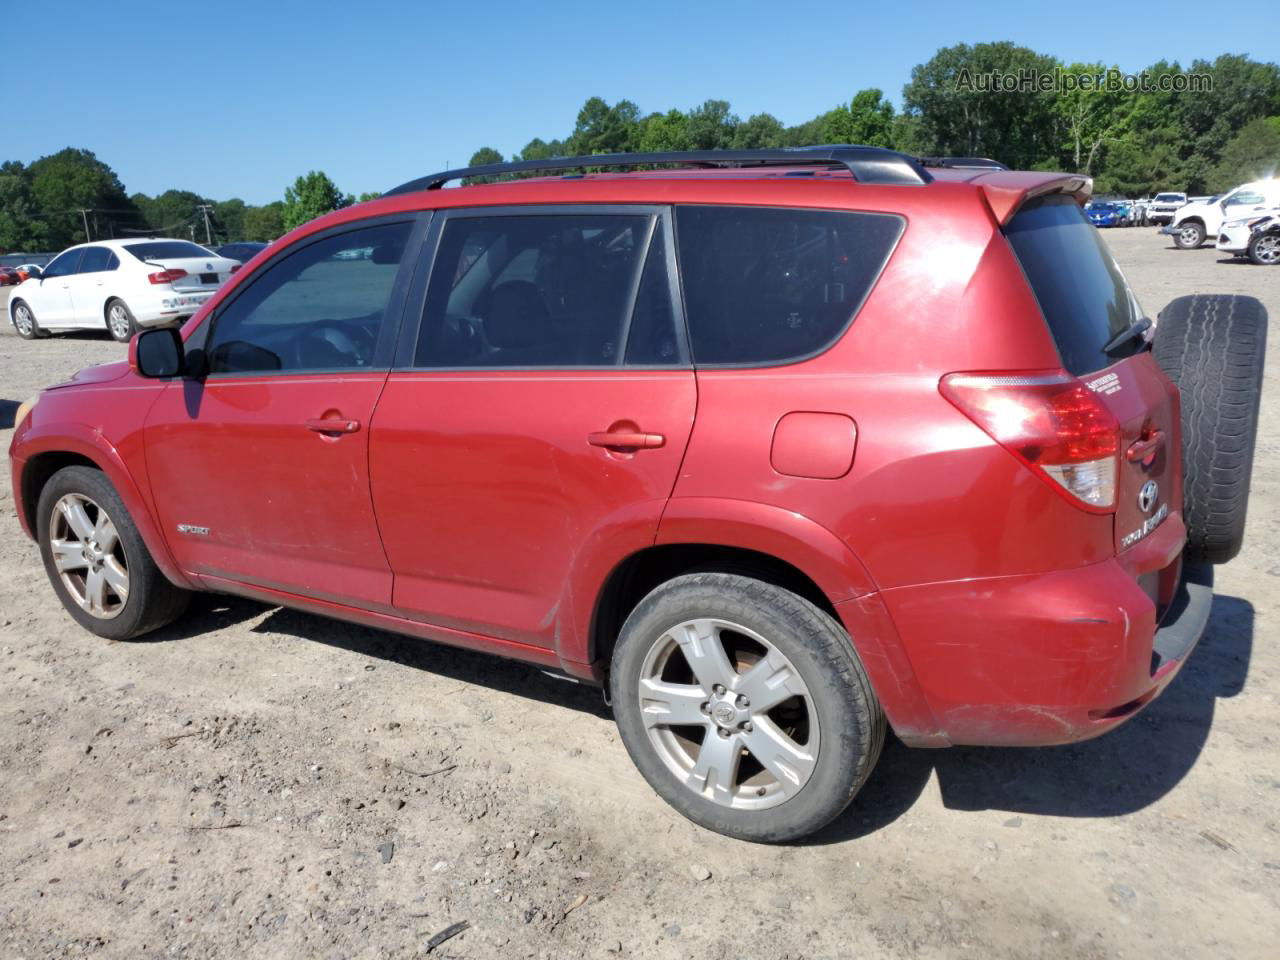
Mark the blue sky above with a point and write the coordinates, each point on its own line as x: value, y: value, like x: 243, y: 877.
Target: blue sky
x: 375, y: 93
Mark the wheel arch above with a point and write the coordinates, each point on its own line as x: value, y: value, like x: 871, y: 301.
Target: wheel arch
x: 78, y: 445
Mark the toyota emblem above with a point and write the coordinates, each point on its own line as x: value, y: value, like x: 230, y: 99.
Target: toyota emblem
x: 1147, y: 496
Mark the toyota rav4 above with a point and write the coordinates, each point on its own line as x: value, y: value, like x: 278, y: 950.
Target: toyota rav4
x: 783, y: 448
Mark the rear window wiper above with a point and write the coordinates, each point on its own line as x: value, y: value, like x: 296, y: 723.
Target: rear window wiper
x: 1138, y: 329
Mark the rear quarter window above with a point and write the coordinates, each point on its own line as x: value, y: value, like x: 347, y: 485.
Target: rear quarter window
x: 1083, y: 295
x: 773, y: 285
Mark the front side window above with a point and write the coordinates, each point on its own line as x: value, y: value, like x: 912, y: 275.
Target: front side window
x: 64, y: 264
x: 771, y: 285
x: 533, y: 291
x: 321, y: 307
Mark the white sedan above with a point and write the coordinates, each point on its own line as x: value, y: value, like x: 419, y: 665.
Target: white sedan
x: 120, y: 285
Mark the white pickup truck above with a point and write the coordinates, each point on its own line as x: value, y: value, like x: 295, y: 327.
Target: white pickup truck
x: 1162, y: 207
x: 1196, y: 222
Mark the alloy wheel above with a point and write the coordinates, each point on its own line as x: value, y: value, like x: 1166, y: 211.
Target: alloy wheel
x: 23, y: 320
x: 89, y: 556
x: 1190, y: 235
x: 118, y: 318
x: 1267, y: 249
x: 728, y: 714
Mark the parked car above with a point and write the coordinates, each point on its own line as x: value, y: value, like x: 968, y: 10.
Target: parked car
x: 1105, y: 214
x: 1164, y: 205
x: 1257, y: 238
x: 119, y: 285
x: 1195, y: 222
x: 9, y: 277
x: 243, y: 251
x: 25, y: 270
x: 704, y: 440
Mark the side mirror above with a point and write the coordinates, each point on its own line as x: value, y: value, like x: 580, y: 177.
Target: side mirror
x: 157, y: 353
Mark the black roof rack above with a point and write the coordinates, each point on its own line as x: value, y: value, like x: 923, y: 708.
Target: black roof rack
x: 867, y: 164
x: 963, y: 163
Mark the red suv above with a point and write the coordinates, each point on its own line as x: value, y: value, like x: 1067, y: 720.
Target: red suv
x: 780, y: 447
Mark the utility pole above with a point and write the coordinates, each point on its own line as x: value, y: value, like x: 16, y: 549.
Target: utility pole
x: 85, y: 215
x: 208, y: 230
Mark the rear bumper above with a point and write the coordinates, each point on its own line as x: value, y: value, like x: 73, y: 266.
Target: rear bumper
x: 1055, y: 657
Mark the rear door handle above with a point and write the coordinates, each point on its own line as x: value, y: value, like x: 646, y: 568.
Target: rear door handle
x: 626, y: 441
x: 332, y: 425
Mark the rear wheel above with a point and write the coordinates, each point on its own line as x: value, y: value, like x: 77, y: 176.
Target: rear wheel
x: 744, y: 706
x: 24, y: 321
x: 1189, y: 236
x: 1264, y: 249
x: 96, y: 559
x: 120, y: 321
x: 1213, y: 348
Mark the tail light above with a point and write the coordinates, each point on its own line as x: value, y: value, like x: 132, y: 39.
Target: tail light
x: 1051, y: 422
x: 166, y: 276
x: 236, y: 266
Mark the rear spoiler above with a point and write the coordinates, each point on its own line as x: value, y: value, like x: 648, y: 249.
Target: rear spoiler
x: 1006, y: 191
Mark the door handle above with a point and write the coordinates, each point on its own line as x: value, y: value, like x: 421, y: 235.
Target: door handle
x: 626, y: 441
x: 1145, y: 449
x: 332, y: 425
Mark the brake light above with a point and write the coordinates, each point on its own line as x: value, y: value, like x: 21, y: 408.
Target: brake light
x: 1051, y: 422
x: 236, y: 266
x: 166, y: 276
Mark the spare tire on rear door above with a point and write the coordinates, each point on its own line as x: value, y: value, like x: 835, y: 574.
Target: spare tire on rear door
x: 1213, y: 347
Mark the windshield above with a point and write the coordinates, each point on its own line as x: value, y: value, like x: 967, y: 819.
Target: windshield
x: 167, y: 250
x: 1169, y: 197
x: 1082, y: 293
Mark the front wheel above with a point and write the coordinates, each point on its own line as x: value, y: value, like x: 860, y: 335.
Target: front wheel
x: 120, y: 321
x: 744, y: 706
x: 24, y: 321
x: 97, y: 561
x: 1189, y: 236
x: 1264, y: 249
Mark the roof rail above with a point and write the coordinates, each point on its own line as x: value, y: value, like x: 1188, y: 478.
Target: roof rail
x: 867, y: 164
x: 963, y: 163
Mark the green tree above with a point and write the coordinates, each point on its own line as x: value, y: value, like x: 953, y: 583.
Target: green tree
x: 1243, y: 90
x: 20, y: 228
x: 1252, y: 154
x: 482, y: 158
x: 228, y: 218
x: 757, y: 132
x: 264, y: 224
x: 1090, y: 118
x: 958, y: 116
x: 867, y: 119
x: 311, y: 196
x: 601, y: 128
x: 173, y: 213
x: 711, y: 126
x: 663, y: 132
x: 70, y: 181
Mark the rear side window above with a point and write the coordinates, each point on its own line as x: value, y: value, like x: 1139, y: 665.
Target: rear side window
x: 96, y: 260
x: 543, y: 291
x: 766, y: 286
x: 167, y: 250
x: 1082, y: 293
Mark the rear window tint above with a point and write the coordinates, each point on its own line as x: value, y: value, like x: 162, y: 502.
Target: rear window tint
x: 1082, y: 293
x: 771, y: 285
x: 167, y: 250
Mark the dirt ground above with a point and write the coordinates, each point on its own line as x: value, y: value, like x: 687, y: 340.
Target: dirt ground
x: 259, y: 782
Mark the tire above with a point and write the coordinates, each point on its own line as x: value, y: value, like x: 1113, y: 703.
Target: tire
x: 150, y: 600
x: 1190, y: 235
x: 1213, y: 348
x: 120, y: 322
x: 830, y: 722
x: 24, y: 321
x: 1264, y: 248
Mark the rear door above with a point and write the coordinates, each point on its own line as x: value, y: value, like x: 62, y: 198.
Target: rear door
x: 541, y: 410
x: 260, y: 470
x: 88, y: 286
x: 1087, y: 302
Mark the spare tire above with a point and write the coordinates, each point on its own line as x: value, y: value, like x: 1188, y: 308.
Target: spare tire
x: 1214, y: 347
